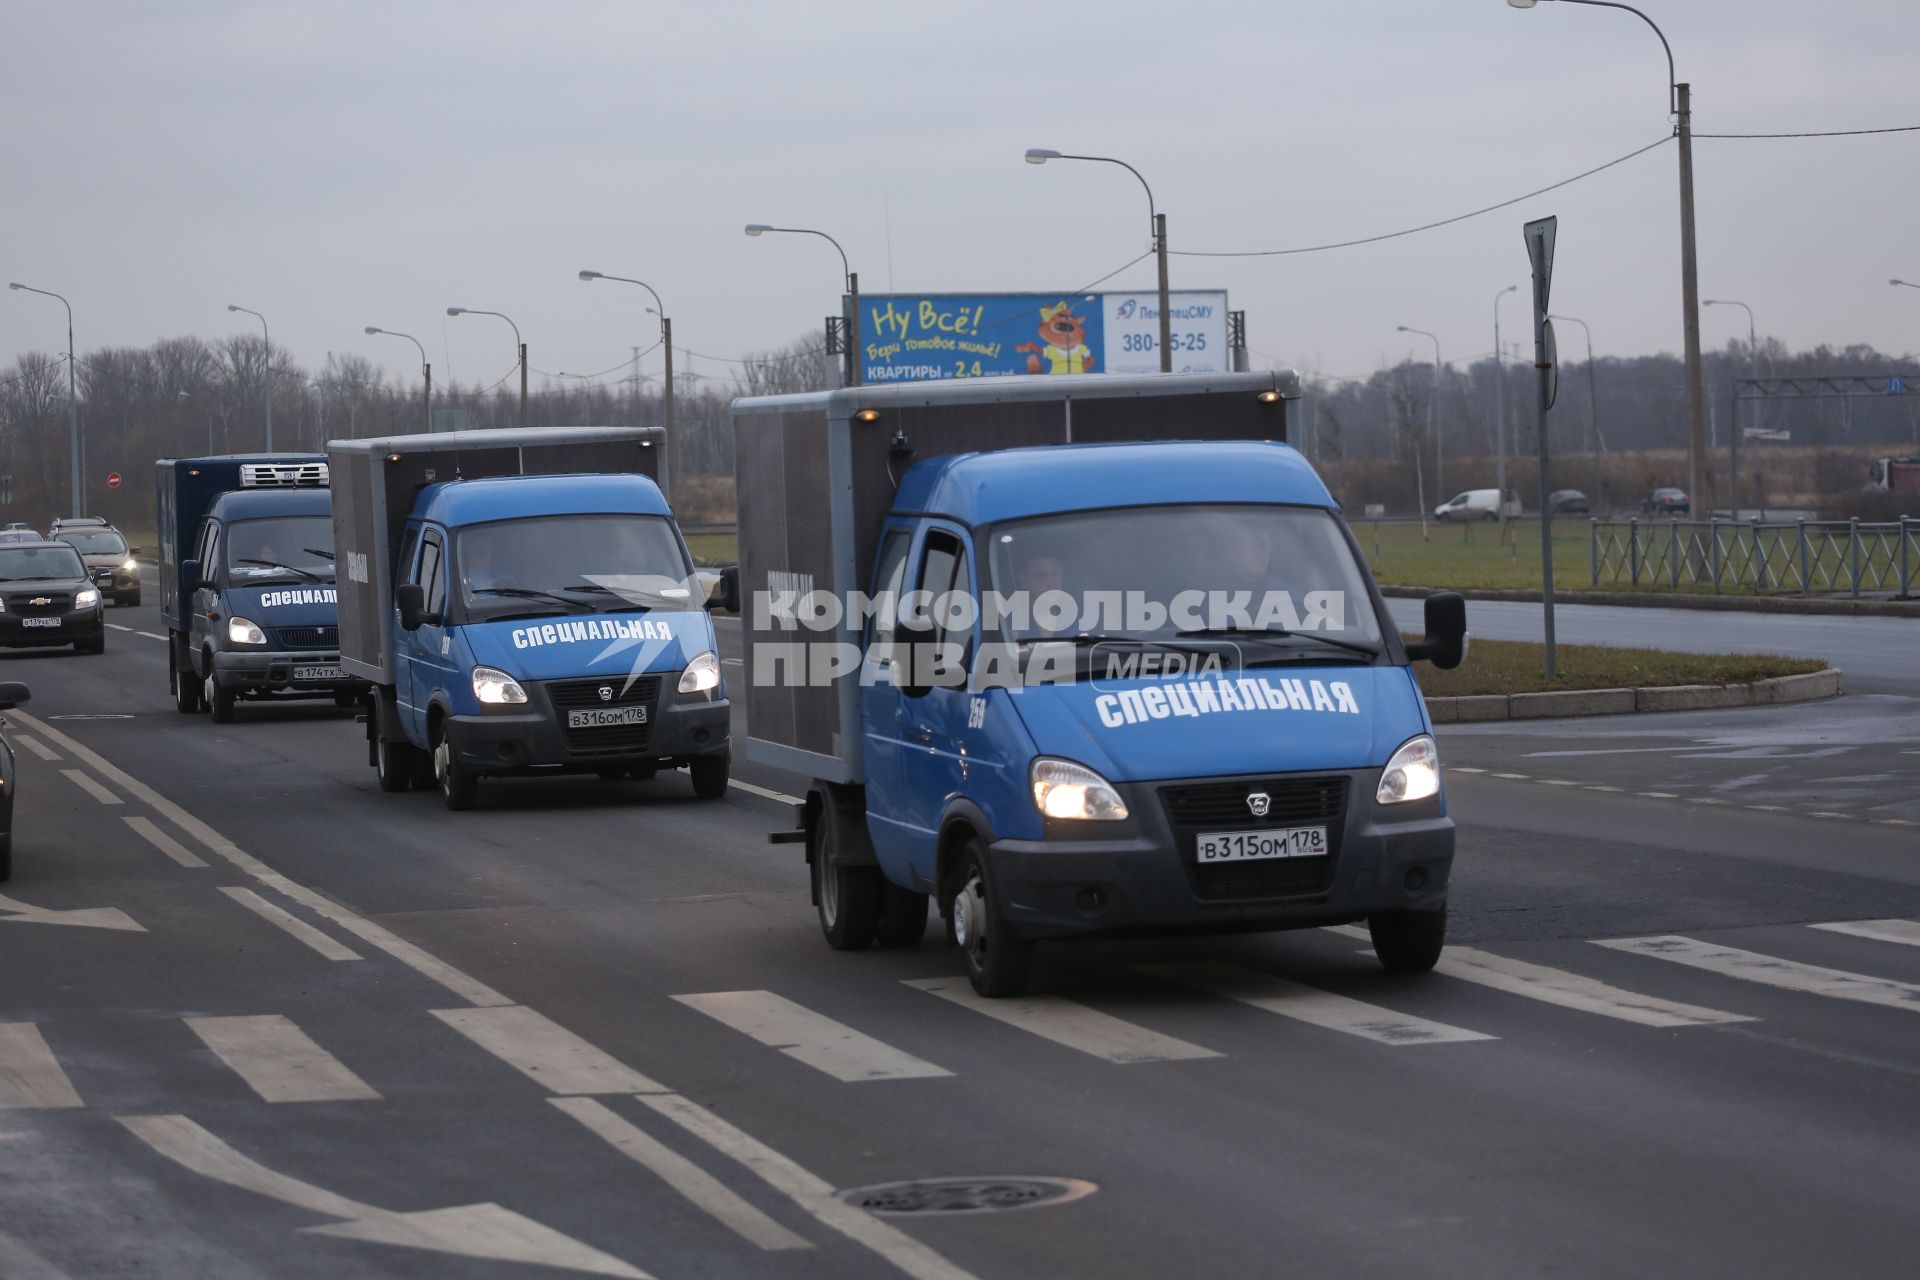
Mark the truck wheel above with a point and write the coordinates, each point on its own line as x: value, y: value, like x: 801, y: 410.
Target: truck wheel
x: 346, y: 697
x: 709, y: 776
x: 130, y: 601
x: 395, y: 763
x: 848, y: 898
x: 1408, y: 941
x: 6, y: 857
x: 997, y: 962
x: 219, y: 701
x: 458, y: 787
x: 186, y: 689
x: 903, y: 917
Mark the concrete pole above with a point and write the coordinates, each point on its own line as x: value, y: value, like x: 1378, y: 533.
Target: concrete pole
x: 673, y: 433
x: 853, y: 326
x: 1166, y: 318
x: 1698, y: 476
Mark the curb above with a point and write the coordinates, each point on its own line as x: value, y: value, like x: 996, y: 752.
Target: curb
x: 1685, y: 600
x: 1480, y: 708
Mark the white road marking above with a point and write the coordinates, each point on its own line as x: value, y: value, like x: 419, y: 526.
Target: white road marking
x: 151, y: 635
x: 299, y: 928
x: 1826, y: 813
x: 1597, y: 787
x: 1311, y: 1005
x: 733, y: 662
x: 1903, y: 931
x: 1658, y: 795
x: 86, y: 783
x: 1556, y: 782
x: 144, y: 828
x: 117, y: 627
x: 468, y: 1231
x: 30, y: 1076
x: 547, y: 1052
x: 36, y: 746
x: 1573, y: 991
x: 81, y: 917
x: 17, y: 1262
x: 1460, y: 768
x: 752, y: 790
x: 1517, y: 777
x: 279, y: 1061
x: 706, y: 1192
x: 1064, y: 1022
x: 1896, y: 822
x: 809, y: 1037
x: 1788, y: 975
x: 806, y: 1190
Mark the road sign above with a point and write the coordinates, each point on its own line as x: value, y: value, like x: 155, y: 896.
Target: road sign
x: 113, y: 479
x: 1540, y: 236
x: 1896, y: 386
x: 1552, y: 358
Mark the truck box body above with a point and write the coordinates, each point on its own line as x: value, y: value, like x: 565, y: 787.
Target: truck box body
x: 184, y: 489
x: 815, y: 483
x: 375, y: 482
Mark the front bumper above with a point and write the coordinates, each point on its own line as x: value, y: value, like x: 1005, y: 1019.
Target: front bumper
x: 268, y: 671
x: 1141, y: 877
x: 535, y: 739
x: 115, y: 581
x: 74, y: 625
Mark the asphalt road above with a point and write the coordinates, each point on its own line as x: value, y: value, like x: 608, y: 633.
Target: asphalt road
x: 292, y: 1026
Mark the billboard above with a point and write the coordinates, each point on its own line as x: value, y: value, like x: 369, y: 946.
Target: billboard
x: 923, y: 337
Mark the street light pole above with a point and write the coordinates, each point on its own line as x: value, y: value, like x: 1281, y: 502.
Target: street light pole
x: 426, y: 369
x: 520, y: 345
x: 1040, y: 155
x: 268, y: 339
x: 73, y: 402
x: 853, y: 289
x: 1593, y: 400
x: 666, y: 344
x: 1680, y: 105
x: 1500, y: 401
x: 1433, y: 417
x: 1753, y: 371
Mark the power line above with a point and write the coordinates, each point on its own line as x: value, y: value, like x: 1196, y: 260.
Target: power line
x: 1823, y: 133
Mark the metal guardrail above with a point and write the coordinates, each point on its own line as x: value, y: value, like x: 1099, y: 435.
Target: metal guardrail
x: 1807, y: 556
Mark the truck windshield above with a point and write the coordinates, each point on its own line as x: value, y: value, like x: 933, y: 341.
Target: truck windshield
x: 279, y: 549
x: 1285, y: 576
x: 40, y: 564
x: 573, y: 564
x: 107, y: 543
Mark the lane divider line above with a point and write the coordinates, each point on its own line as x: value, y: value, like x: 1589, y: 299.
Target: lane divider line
x: 546, y: 1052
x: 293, y: 925
x: 116, y: 626
x: 91, y: 787
x: 813, y: 1038
x: 153, y: 835
x: 151, y: 635
x: 764, y: 793
x: 279, y: 1061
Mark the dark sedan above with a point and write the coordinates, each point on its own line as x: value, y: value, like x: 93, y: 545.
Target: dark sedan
x: 1667, y: 502
x: 48, y: 598
x: 1569, y: 502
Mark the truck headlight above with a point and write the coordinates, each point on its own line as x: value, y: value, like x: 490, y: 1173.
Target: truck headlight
x: 240, y: 631
x: 86, y: 598
x: 702, y: 674
x: 1412, y: 774
x: 1063, y: 789
x: 495, y: 687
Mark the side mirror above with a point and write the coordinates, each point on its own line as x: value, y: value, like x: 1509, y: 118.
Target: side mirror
x: 725, y: 597
x: 190, y: 574
x: 1446, y: 643
x: 412, y: 599
x: 133, y: 551
x: 12, y: 694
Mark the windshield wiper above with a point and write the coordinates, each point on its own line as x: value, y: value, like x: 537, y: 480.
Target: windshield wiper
x: 275, y: 564
x: 524, y: 614
x: 316, y: 551
x: 1279, y: 633
x: 528, y: 593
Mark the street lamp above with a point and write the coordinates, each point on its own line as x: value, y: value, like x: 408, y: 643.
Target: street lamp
x: 1907, y: 283
x: 1593, y: 401
x: 73, y: 403
x: 853, y: 286
x: 426, y: 370
x: 1500, y: 399
x: 659, y: 308
x: 1433, y: 416
x: 1680, y: 106
x: 266, y: 338
x: 1753, y: 371
x: 1040, y: 155
x: 475, y: 311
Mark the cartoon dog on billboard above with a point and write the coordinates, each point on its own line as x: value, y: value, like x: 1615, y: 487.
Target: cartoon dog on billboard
x: 1063, y: 343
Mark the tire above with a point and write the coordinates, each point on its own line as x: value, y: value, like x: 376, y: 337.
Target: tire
x: 998, y: 963
x: 6, y: 857
x: 186, y: 689
x: 219, y: 701
x: 903, y: 917
x: 346, y: 697
x: 709, y: 776
x: 395, y: 763
x: 847, y: 899
x: 130, y: 601
x: 459, y: 787
x: 1489, y: 516
x: 1408, y: 941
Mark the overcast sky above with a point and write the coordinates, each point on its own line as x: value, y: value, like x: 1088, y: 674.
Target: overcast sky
x: 347, y: 163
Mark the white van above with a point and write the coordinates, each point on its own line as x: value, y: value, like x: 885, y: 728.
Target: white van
x: 1474, y: 504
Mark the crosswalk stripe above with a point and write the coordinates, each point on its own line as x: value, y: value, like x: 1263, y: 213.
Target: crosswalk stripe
x: 36, y: 746
x: 683, y: 1175
x: 17, y: 1262
x: 1789, y: 975
x: 286, y: 920
x: 1064, y: 1022
x: 809, y: 1037
x: 1906, y: 931
x: 86, y: 783
x: 545, y: 1051
x: 1573, y: 991
x: 1311, y: 1005
x: 279, y: 1061
x: 30, y: 1077
x: 153, y: 835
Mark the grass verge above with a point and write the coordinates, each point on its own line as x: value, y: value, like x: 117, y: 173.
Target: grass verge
x: 1512, y: 666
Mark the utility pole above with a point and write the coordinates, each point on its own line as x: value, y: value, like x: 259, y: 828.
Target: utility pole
x: 853, y: 327
x: 1166, y: 319
x: 1690, y: 303
x: 673, y: 434
x: 1540, y: 241
x: 1500, y: 402
x: 523, y: 385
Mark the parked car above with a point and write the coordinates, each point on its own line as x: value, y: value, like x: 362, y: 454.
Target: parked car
x: 19, y: 535
x: 48, y: 598
x: 108, y: 558
x: 1667, y: 502
x: 1474, y: 504
x: 1569, y: 502
x: 12, y: 694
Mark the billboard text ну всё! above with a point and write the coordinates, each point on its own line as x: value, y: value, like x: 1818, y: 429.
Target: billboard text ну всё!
x: 920, y: 337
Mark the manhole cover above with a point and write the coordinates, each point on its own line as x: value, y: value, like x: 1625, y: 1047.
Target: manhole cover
x: 966, y: 1195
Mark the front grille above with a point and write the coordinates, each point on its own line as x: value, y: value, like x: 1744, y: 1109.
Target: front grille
x: 24, y: 603
x: 307, y: 637
x: 620, y: 739
x: 1222, y: 806
x: 283, y: 475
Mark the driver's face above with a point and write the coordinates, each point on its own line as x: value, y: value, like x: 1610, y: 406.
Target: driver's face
x: 1042, y: 574
x: 1249, y: 553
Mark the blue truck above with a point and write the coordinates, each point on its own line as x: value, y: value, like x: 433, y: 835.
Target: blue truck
x: 247, y: 581
x: 523, y: 603
x: 1117, y: 668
